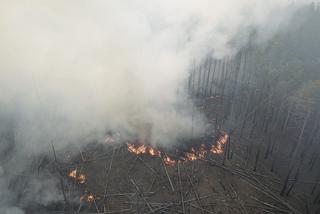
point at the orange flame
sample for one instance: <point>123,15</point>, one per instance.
<point>81,178</point>
<point>136,150</point>
<point>196,154</point>
<point>89,197</point>
<point>73,174</point>
<point>202,151</point>
<point>168,161</point>
<point>154,152</point>
<point>192,155</point>
<point>143,149</point>
<point>218,147</point>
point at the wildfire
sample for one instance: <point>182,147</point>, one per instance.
<point>202,151</point>
<point>81,178</point>
<point>73,174</point>
<point>143,149</point>
<point>169,161</point>
<point>218,147</point>
<point>194,154</point>
<point>190,156</point>
<point>89,197</point>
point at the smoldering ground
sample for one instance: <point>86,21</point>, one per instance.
<point>72,70</point>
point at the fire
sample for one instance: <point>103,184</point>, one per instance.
<point>191,156</point>
<point>218,147</point>
<point>202,151</point>
<point>194,154</point>
<point>154,152</point>
<point>167,160</point>
<point>143,149</point>
<point>81,178</point>
<point>73,174</point>
<point>89,197</point>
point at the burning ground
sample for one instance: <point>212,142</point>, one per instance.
<point>113,179</point>
<point>167,158</point>
<point>203,175</point>
<point>194,152</point>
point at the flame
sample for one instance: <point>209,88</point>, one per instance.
<point>89,197</point>
<point>81,178</point>
<point>202,151</point>
<point>73,174</point>
<point>195,154</point>
<point>154,152</point>
<point>192,155</point>
<point>143,149</point>
<point>168,161</point>
<point>218,147</point>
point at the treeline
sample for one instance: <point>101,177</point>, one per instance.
<point>271,100</point>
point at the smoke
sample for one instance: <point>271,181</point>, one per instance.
<point>71,70</point>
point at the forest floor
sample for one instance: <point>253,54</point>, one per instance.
<point>118,181</point>
<point>121,182</point>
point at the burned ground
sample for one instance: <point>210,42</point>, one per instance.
<point>123,182</point>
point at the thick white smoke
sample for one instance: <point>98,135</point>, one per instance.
<point>70,70</point>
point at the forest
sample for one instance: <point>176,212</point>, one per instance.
<point>271,102</point>
<point>113,107</point>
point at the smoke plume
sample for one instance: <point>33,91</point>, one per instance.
<point>72,70</point>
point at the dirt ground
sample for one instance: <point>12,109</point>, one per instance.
<point>122,182</point>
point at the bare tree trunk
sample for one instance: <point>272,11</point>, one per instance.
<point>257,159</point>
<point>208,79</point>
<point>212,76</point>
<point>297,145</point>
<point>284,188</point>
<point>288,116</point>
